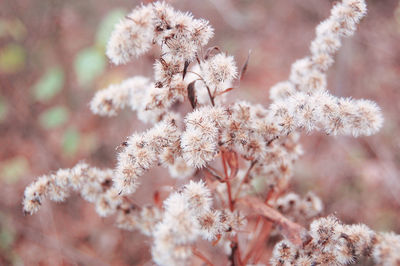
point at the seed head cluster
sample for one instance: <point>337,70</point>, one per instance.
<point>299,209</point>
<point>93,184</point>
<point>233,150</point>
<point>189,216</point>
<point>331,242</point>
<point>304,101</point>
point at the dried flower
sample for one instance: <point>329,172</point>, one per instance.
<point>386,250</point>
<point>132,36</point>
<point>219,71</point>
<point>257,146</point>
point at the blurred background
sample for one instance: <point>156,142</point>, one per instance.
<point>52,62</point>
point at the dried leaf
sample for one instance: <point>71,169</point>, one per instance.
<point>224,91</point>
<point>210,50</point>
<point>244,68</point>
<point>157,197</point>
<point>292,231</point>
<point>214,173</point>
<point>192,94</point>
<point>216,240</point>
<point>231,158</point>
<point>163,62</point>
<point>187,63</point>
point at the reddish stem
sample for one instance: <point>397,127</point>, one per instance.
<point>228,184</point>
<point>198,254</point>
<point>245,178</point>
<point>252,245</point>
<point>238,256</point>
<point>265,229</point>
<point>264,236</point>
<point>235,256</point>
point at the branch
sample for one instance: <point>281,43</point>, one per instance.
<point>245,179</point>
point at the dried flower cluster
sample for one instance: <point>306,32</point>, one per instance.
<point>93,184</point>
<point>311,107</point>
<point>299,209</point>
<point>238,150</point>
<point>188,215</point>
<point>332,243</point>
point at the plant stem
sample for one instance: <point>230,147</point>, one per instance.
<point>198,254</point>
<point>245,178</point>
<point>208,89</point>
<point>228,184</point>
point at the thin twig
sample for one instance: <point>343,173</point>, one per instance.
<point>215,173</point>
<point>209,95</point>
<point>205,84</point>
<point>233,255</point>
<point>198,254</point>
<point>259,238</point>
<point>245,178</point>
<point>238,255</point>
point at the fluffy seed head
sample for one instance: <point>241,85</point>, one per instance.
<point>198,197</point>
<point>198,148</point>
<point>132,36</point>
<point>219,71</point>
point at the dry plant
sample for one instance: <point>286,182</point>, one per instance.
<point>237,158</point>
